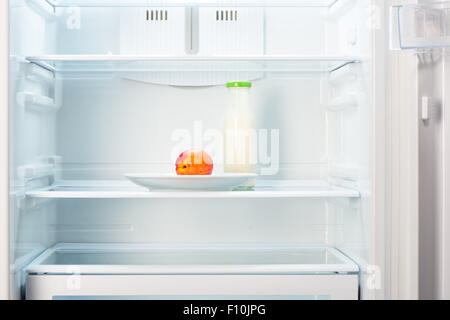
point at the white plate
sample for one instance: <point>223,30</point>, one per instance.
<point>175,182</point>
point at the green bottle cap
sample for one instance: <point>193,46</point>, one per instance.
<point>239,84</point>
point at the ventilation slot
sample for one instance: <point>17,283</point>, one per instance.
<point>156,15</point>
<point>226,15</point>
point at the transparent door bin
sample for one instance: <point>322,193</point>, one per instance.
<point>420,26</point>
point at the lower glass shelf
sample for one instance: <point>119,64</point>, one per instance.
<point>189,259</point>
<point>126,190</point>
<point>129,64</point>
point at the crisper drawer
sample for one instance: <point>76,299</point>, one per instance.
<point>192,287</point>
<point>73,271</point>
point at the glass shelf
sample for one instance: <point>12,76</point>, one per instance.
<point>120,63</point>
<point>190,259</point>
<point>200,3</point>
<point>420,26</point>
<point>127,190</point>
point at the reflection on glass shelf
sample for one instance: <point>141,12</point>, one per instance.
<point>119,63</point>
<point>192,259</point>
<point>126,190</point>
<point>181,3</point>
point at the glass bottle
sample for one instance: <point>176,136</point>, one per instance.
<point>240,137</point>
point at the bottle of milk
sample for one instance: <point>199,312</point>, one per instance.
<point>240,137</point>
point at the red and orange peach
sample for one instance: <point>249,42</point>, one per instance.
<point>194,163</point>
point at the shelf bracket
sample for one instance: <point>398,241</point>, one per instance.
<point>42,7</point>
<point>45,167</point>
<point>37,102</point>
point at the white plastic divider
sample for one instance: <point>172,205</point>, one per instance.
<point>194,287</point>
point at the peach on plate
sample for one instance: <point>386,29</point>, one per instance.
<point>194,162</point>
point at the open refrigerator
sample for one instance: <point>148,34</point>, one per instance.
<point>94,90</point>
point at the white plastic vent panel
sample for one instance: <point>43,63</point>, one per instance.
<point>171,31</point>
<point>231,31</point>
<point>155,31</point>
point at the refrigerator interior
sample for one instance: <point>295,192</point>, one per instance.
<point>102,88</point>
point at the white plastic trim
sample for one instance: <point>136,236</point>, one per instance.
<point>218,287</point>
<point>444,249</point>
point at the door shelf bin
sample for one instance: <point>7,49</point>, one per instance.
<point>424,26</point>
<point>191,271</point>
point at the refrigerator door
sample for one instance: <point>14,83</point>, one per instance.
<point>444,240</point>
<point>420,31</point>
<point>433,96</point>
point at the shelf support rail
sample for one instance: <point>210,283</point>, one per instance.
<point>42,7</point>
<point>39,102</point>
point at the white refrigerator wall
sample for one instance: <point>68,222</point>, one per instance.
<point>32,137</point>
<point>4,137</point>
<point>109,125</point>
<point>357,138</point>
